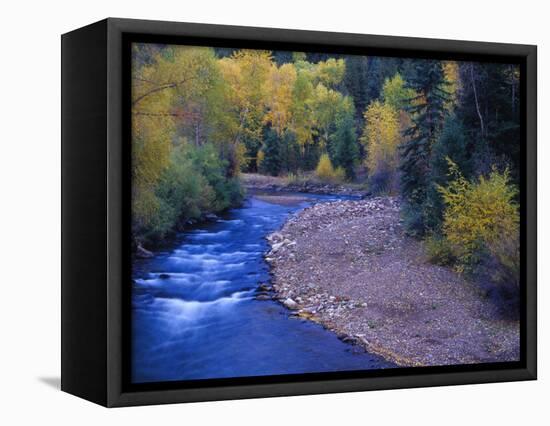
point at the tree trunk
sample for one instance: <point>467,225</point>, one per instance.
<point>482,125</point>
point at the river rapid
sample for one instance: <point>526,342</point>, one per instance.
<point>195,314</point>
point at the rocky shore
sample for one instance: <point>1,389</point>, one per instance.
<point>349,266</point>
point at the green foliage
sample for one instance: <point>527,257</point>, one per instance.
<point>482,218</point>
<point>438,250</point>
<point>271,162</point>
<point>452,144</point>
<point>327,173</point>
<point>488,105</point>
<point>427,111</point>
<point>396,94</point>
<point>192,185</point>
<point>345,151</point>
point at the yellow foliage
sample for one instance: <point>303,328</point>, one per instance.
<point>327,103</point>
<point>452,77</point>
<point>396,94</point>
<point>259,159</point>
<point>326,172</point>
<point>381,136</point>
<point>278,88</point>
<point>330,72</point>
<point>482,216</point>
<point>245,74</point>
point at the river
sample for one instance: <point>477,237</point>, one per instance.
<point>195,314</point>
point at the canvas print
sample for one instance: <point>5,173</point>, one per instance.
<point>302,212</point>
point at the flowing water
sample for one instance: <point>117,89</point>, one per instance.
<point>195,316</point>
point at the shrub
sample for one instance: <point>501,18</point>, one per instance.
<point>438,250</point>
<point>194,183</point>
<point>482,217</point>
<point>327,173</point>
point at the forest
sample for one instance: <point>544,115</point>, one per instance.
<point>443,136</point>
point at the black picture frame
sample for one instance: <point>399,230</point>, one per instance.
<point>96,210</point>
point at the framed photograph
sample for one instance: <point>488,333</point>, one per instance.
<point>253,212</point>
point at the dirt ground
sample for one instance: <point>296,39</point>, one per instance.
<point>349,266</point>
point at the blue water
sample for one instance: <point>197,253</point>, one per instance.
<point>195,316</point>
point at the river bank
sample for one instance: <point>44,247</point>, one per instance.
<point>309,185</point>
<point>349,266</point>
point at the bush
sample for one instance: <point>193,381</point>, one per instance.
<point>194,183</point>
<point>482,218</point>
<point>327,173</point>
<point>438,250</point>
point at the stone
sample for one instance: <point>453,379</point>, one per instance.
<point>290,304</point>
<point>263,296</point>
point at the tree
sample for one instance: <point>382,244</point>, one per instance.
<point>344,140</point>
<point>355,82</point>
<point>381,138</point>
<point>326,103</point>
<point>279,87</point>
<point>396,94</point>
<point>488,105</point>
<point>271,149</point>
<point>169,89</point>
<point>427,111</point>
<point>451,145</point>
<point>245,74</point>
<point>303,114</point>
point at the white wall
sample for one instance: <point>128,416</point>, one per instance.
<point>30,199</point>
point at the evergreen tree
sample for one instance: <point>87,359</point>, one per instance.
<point>453,145</point>
<point>290,152</point>
<point>345,150</point>
<point>355,82</point>
<point>428,113</point>
<point>489,109</point>
<point>271,163</point>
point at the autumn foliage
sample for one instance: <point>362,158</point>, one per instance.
<point>435,133</point>
<point>482,219</point>
<point>327,173</point>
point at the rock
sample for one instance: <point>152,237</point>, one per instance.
<point>264,287</point>
<point>143,253</point>
<point>290,304</point>
<point>275,247</point>
<point>164,276</point>
<point>275,237</point>
<point>263,296</point>
<point>211,216</point>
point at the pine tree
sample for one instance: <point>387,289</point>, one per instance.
<point>451,145</point>
<point>271,163</point>
<point>428,114</point>
<point>345,150</point>
<point>356,81</point>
